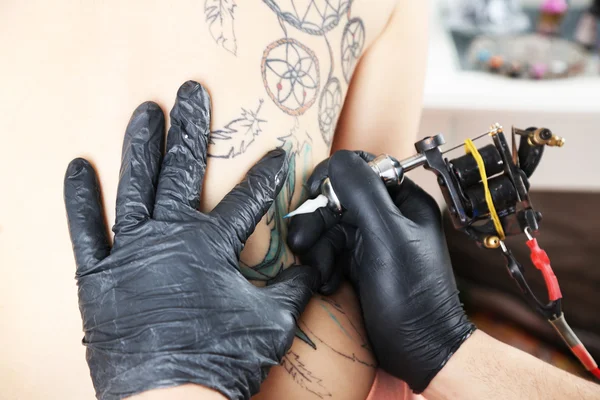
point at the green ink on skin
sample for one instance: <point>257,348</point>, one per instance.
<point>277,257</point>
<point>300,334</point>
<point>337,321</point>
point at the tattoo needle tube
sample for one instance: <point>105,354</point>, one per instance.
<point>388,168</point>
<point>310,206</point>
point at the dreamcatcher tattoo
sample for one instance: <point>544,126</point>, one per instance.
<point>315,17</point>
<point>290,70</point>
<point>353,41</point>
<point>290,73</point>
<point>330,106</point>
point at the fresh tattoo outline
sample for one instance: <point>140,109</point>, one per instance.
<point>353,42</point>
<point>339,309</point>
<point>332,308</point>
<point>238,134</point>
<point>294,71</point>
<point>330,107</point>
<point>317,17</point>
<point>289,62</point>
<point>308,20</point>
<point>219,16</point>
<point>298,147</point>
<point>294,366</point>
<point>291,75</point>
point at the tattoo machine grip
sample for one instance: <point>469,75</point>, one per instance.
<point>390,170</point>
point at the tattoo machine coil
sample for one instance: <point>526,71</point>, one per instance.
<point>487,194</point>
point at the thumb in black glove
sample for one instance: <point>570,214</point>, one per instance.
<point>166,304</point>
<point>393,250</point>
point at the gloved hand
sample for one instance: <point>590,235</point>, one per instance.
<point>393,250</point>
<point>166,305</point>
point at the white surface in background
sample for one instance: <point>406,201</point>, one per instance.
<point>447,87</point>
<point>463,104</point>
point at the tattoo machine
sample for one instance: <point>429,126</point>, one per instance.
<point>487,194</point>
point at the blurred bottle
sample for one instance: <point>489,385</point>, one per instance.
<point>551,16</point>
<point>496,17</point>
<point>586,32</point>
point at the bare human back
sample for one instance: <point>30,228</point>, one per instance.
<point>307,77</point>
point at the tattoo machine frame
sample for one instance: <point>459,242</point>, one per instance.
<point>487,194</point>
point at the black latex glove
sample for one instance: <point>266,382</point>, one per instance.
<point>393,250</point>
<point>166,305</point>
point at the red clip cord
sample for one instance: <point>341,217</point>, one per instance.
<point>542,262</point>
<point>586,359</point>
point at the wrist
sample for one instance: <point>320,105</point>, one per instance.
<point>448,382</point>
<point>442,341</point>
<point>448,346</point>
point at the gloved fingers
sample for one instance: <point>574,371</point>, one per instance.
<point>184,164</point>
<point>360,190</point>
<point>348,261</point>
<point>244,206</point>
<point>85,215</point>
<point>313,183</point>
<point>305,229</point>
<point>321,171</point>
<point>414,203</point>
<point>333,283</point>
<point>140,165</point>
<point>324,255</point>
<point>294,287</point>
<point>368,157</point>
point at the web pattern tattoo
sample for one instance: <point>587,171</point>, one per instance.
<point>353,41</point>
<point>290,70</point>
<point>239,133</point>
<point>302,376</point>
<point>219,17</point>
<point>298,147</point>
<point>315,17</point>
<point>291,75</point>
<point>330,106</point>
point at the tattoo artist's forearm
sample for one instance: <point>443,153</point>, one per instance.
<point>484,368</point>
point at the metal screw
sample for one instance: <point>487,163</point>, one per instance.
<point>491,242</point>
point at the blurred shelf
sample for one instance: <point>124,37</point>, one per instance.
<point>448,87</point>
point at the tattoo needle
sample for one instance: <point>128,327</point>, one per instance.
<point>309,206</point>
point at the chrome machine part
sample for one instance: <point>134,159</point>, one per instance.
<point>412,162</point>
<point>333,201</point>
<point>388,169</point>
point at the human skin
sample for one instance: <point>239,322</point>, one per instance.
<point>484,368</point>
<point>71,76</point>
<point>183,392</point>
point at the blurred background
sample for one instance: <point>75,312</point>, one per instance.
<point>525,64</point>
